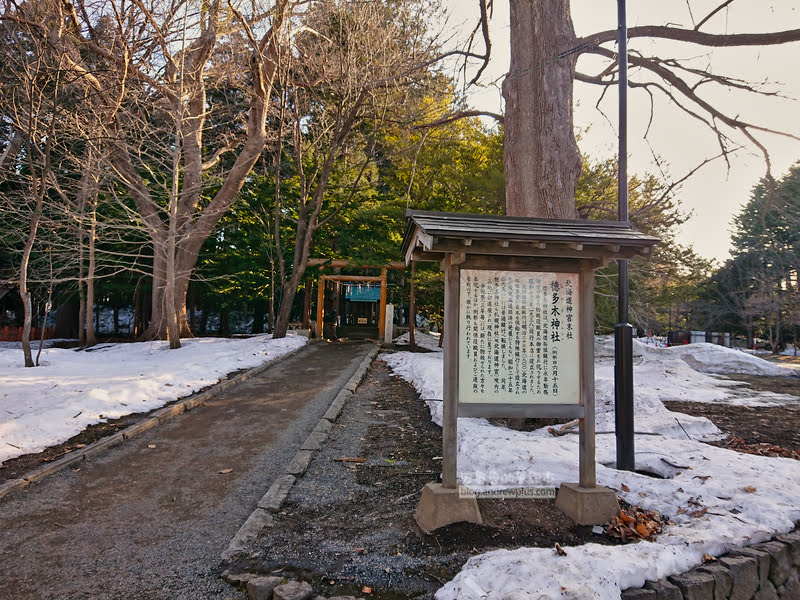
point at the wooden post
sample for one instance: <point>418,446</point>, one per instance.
<point>586,442</point>
<point>452,290</point>
<point>412,312</point>
<point>382,312</point>
<point>307,305</point>
<point>320,304</point>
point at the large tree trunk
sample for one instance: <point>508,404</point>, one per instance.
<point>542,161</point>
<point>271,317</point>
<point>285,307</point>
<point>81,313</point>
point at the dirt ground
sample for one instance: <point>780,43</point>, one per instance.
<point>20,466</point>
<point>777,426</point>
<point>754,428</point>
<point>149,519</point>
<point>348,524</point>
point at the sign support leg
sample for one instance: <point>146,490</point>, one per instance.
<point>450,412</point>
<point>441,503</point>
<point>320,305</point>
<point>585,502</point>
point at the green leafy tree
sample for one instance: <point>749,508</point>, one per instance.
<point>762,277</point>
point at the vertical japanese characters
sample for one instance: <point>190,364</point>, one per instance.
<point>519,341</point>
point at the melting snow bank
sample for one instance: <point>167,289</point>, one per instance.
<point>47,405</point>
<point>423,340</point>
<point>719,499</point>
<point>689,373</point>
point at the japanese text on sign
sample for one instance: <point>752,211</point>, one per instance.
<point>518,337</point>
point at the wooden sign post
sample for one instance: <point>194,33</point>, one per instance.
<point>519,336</point>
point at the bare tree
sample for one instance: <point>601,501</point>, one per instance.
<point>147,68</point>
<point>175,172</point>
<point>542,161</point>
<point>29,106</point>
<point>357,61</point>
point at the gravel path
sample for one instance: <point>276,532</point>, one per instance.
<point>149,519</point>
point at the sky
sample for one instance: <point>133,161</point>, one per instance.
<point>715,194</point>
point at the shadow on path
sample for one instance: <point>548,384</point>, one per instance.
<point>149,519</point>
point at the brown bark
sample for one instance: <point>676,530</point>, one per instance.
<point>542,161</point>
<point>11,151</point>
<point>306,324</point>
<point>271,315</point>
<point>24,293</point>
<point>693,36</point>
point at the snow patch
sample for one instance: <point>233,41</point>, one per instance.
<point>719,499</point>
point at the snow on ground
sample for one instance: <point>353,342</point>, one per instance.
<point>718,499</point>
<point>428,341</point>
<point>47,405</point>
<point>691,372</point>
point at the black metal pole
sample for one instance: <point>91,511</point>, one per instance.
<point>623,332</point>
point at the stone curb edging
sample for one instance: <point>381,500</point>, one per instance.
<point>156,418</point>
<point>270,503</point>
<point>767,571</point>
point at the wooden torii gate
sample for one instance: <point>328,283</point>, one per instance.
<point>339,263</point>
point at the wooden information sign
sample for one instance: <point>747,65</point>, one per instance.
<point>518,335</point>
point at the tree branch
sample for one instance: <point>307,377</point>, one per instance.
<point>464,114</point>
<point>711,14</point>
<point>692,36</point>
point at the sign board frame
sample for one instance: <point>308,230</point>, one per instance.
<point>487,242</point>
<point>584,410</point>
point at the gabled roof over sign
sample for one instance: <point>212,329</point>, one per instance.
<point>431,235</point>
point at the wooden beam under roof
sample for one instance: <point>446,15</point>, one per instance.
<point>431,235</point>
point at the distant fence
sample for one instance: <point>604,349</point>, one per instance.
<point>14,334</point>
<point>677,338</point>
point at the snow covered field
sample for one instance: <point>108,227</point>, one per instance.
<point>719,499</point>
<point>46,405</point>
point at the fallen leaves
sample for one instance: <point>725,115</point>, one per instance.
<point>634,523</point>
<point>225,471</point>
<point>707,558</point>
<point>750,489</point>
<point>761,449</point>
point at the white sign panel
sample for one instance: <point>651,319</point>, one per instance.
<point>518,338</point>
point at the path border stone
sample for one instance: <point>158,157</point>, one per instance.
<point>767,570</point>
<point>270,503</point>
<point>155,419</point>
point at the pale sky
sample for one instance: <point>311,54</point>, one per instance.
<point>713,195</point>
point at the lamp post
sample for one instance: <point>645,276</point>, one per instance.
<point>623,332</point>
